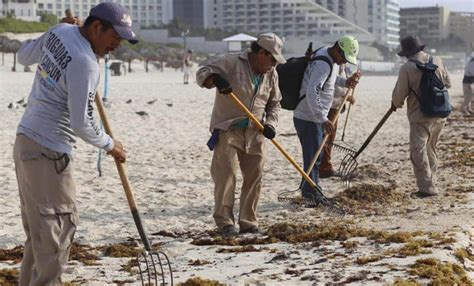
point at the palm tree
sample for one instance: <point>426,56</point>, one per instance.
<point>126,54</point>
<point>3,42</point>
<point>148,54</point>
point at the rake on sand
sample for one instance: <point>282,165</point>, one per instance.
<point>329,205</point>
<point>349,162</point>
<point>154,266</point>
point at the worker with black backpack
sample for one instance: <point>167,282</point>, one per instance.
<point>422,81</point>
<point>315,99</point>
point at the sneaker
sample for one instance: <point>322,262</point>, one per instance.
<point>253,229</point>
<point>228,230</point>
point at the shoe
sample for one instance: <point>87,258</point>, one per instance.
<point>422,195</point>
<point>327,174</point>
<point>253,229</point>
<point>228,230</point>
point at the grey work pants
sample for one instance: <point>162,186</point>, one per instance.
<point>423,139</point>
<point>48,211</point>
<point>244,147</point>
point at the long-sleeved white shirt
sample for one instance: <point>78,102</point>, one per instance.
<point>315,106</point>
<point>60,104</point>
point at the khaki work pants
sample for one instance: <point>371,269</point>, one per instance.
<point>468,96</point>
<point>48,211</point>
<point>243,147</point>
<point>423,139</point>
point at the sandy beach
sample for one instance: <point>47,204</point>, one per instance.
<point>386,237</point>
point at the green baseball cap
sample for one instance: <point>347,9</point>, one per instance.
<point>350,47</point>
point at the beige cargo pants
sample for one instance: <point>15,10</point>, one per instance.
<point>423,139</point>
<point>468,92</point>
<point>48,211</point>
<point>242,147</point>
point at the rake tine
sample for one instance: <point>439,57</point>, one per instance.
<point>147,264</point>
<point>348,165</point>
<point>343,149</point>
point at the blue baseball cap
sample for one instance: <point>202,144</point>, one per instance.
<point>118,16</point>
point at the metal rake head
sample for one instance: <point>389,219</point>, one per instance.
<point>343,149</point>
<point>155,268</point>
<point>347,168</point>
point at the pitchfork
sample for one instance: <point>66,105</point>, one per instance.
<point>153,265</point>
<point>330,205</point>
<point>349,163</point>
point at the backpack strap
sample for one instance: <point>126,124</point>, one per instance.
<point>319,58</point>
<point>326,60</point>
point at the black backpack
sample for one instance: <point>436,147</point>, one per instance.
<point>433,95</point>
<point>290,77</point>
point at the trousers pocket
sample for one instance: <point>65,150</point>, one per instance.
<point>57,227</point>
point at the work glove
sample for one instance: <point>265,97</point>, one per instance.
<point>222,84</point>
<point>268,131</point>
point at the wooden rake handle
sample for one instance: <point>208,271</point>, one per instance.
<point>123,176</point>
<point>326,136</point>
<point>277,145</point>
<point>345,122</point>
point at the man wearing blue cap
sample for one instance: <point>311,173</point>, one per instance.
<point>60,107</point>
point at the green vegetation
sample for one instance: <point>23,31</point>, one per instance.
<point>176,27</point>
<point>20,26</point>
<point>12,25</point>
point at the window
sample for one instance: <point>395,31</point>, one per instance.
<point>50,6</point>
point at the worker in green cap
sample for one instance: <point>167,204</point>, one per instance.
<point>316,97</point>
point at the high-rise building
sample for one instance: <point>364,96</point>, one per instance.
<point>430,24</point>
<point>461,24</point>
<point>144,13</point>
<point>20,9</point>
<point>196,13</point>
<point>287,18</point>
<point>379,17</point>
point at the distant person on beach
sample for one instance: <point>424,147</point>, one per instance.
<point>468,87</point>
<point>187,65</point>
<point>71,19</point>
<point>424,131</point>
<point>326,169</point>
<point>236,141</point>
<point>317,94</point>
<point>60,107</point>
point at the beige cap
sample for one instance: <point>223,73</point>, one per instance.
<point>273,44</point>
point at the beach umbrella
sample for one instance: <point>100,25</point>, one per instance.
<point>13,46</point>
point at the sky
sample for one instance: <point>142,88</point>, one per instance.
<point>453,5</point>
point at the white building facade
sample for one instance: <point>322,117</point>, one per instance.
<point>379,17</point>
<point>24,10</point>
<point>287,18</point>
<point>145,13</point>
